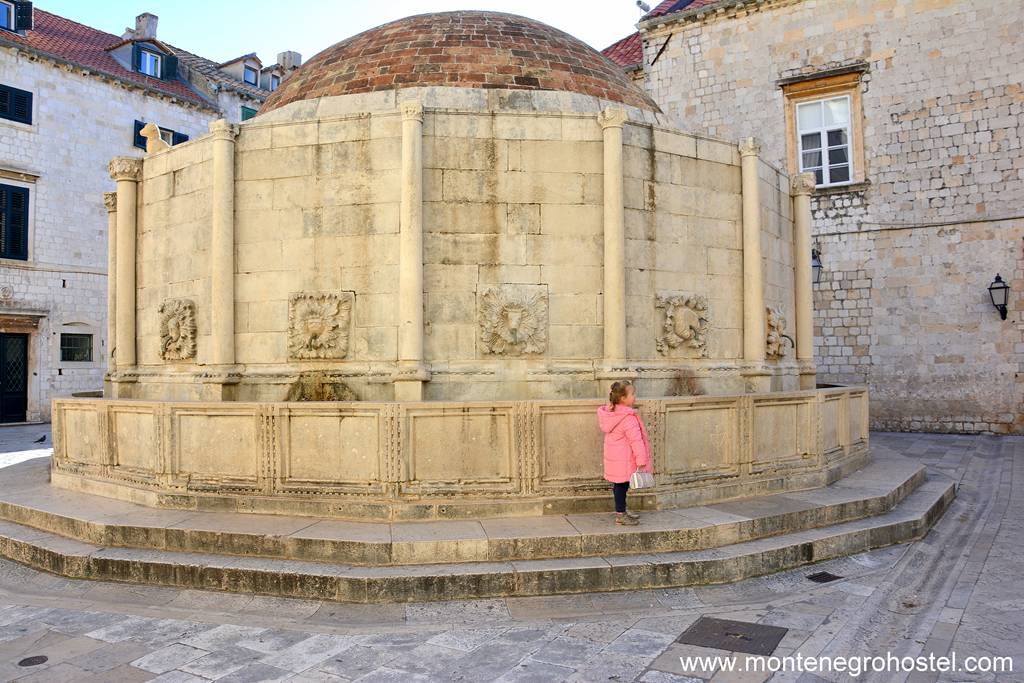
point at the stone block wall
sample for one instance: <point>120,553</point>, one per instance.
<point>943,100</point>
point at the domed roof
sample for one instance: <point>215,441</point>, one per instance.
<point>460,49</point>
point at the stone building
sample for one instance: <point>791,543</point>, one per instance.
<point>71,97</point>
<point>918,106</point>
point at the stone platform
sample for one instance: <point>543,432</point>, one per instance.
<point>79,535</point>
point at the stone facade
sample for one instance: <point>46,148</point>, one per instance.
<point>909,249</point>
<point>83,114</point>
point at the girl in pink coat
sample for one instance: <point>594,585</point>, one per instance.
<point>626,448</point>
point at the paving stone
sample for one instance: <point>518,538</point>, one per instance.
<point>257,672</point>
<point>386,675</point>
<point>179,677</point>
<point>109,656</point>
<point>611,667</point>
<point>566,651</point>
<point>456,611</point>
<point>272,641</point>
<point>466,639</point>
<point>221,636</point>
<point>58,673</point>
<point>357,661</point>
<point>168,658</point>
<point>532,671</point>
<point>599,631</point>
<point>221,662</point>
<point>640,643</point>
<point>665,677</point>
<point>308,653</point>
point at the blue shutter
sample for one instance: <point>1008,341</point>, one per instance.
<point>139,141</point>
<point>170,67</point>
<point>15,104</point>
<point>178,138</point>
<point>13,222</point>
<point>22,16</point>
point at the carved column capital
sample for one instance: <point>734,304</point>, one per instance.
<point>412,110</point>
<point>126,168</point>
<point>750,147</point>
<point>222,130</point>
<point>110,201</point>
<point>802,183</point>
<point>612,117</point>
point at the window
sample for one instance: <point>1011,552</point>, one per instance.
<point>823,135</point>
<point>171,137</point>
<point>16,15</point>
<point>252,77</point>
<point>75,348</point>
<point>274,82</point>
<point>150,63</point>
<point>14,222</point>
<point>15,105</point>
<point>7,16</point>
<point>248,113</point>
<point>823,123</point>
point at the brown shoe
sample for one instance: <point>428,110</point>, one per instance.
<point>625,519</point>
<point>632,515</point>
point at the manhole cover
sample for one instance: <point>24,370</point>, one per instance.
<point>734,636</point>
<point>33,661</point>
<point>823,577</point>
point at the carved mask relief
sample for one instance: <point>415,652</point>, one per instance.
<point>513,319</point>
<point>776,324</point>
<point>318,324</point>
<point>685,325</point>
<point>178,329</point>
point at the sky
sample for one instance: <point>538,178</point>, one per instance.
<point>224,29</point>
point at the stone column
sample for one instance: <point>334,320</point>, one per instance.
<point>801,188</point>
<point>411,370</point>
<point>611,121</point>
<point>127,171</point>
<point>754,331</point>
<point>110,201</point>
<point>222,245</point>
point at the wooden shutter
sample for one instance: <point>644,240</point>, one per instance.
<point>22,16</point>
<point>15,104</point>
<point>169,68</point>
<point>13,222</point>
<point>136,57</point>
<point>177,138</point>
<point>139,141</point>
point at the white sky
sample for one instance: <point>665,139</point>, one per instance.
<point>224,29</point>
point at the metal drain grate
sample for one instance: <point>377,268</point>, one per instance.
<point>34,661</point>
<point>733,636</point>
<point>823,577</point>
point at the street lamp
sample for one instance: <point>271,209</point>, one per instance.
<point>816,265</point>
<point>1000,292</point>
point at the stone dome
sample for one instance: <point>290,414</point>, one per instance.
<point>460,49</point>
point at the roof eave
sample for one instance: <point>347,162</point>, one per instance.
<point>683,15</point>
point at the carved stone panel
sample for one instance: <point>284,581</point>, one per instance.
<point>513,319</point>
<point>319,324</point>
<point>685,325</point>
<point>775,346</point>
<point>178,329</point>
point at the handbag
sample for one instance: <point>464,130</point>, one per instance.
<point>641,480</point>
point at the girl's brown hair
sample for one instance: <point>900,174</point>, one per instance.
<point>618,392</point>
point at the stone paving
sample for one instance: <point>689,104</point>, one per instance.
<point>960,590</point>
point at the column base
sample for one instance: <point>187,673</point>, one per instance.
<point>756,380</point>
<point>409,379</point>
<point>808,380</point>
<point>218,384</point>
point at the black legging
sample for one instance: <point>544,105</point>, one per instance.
<point>619,490</point>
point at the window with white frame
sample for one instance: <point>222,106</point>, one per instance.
<point>823,136</point>
<point>149,63</point>
<point>7,16</point>
<point>274,82</point>
<point>252,77</point>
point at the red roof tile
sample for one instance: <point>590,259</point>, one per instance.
<point>629,51</point>
<point>463,49</point>
<point>85,46</point>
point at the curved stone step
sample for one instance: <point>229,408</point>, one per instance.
<point>909,520</point>
<point>27,499</point>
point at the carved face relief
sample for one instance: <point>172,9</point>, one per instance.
<point>318,325</point>
<point>178,329</point>
<point>686,324</point>
<point>513,320</point>
<point>776,324</point>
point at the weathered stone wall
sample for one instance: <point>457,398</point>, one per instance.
<point>942,103</point>
<point>512,213</point>
<point>79,123</point>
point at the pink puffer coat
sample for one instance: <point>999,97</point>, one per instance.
<point>626,448</point>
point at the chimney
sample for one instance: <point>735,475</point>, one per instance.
<point>289,60</point>
<point>145,26</point>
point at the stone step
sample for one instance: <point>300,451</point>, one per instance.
<point>910,519</point>
<point>27,499</point>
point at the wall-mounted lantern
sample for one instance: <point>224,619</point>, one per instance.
<point>1000,293</point>
<point>816,265</point>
